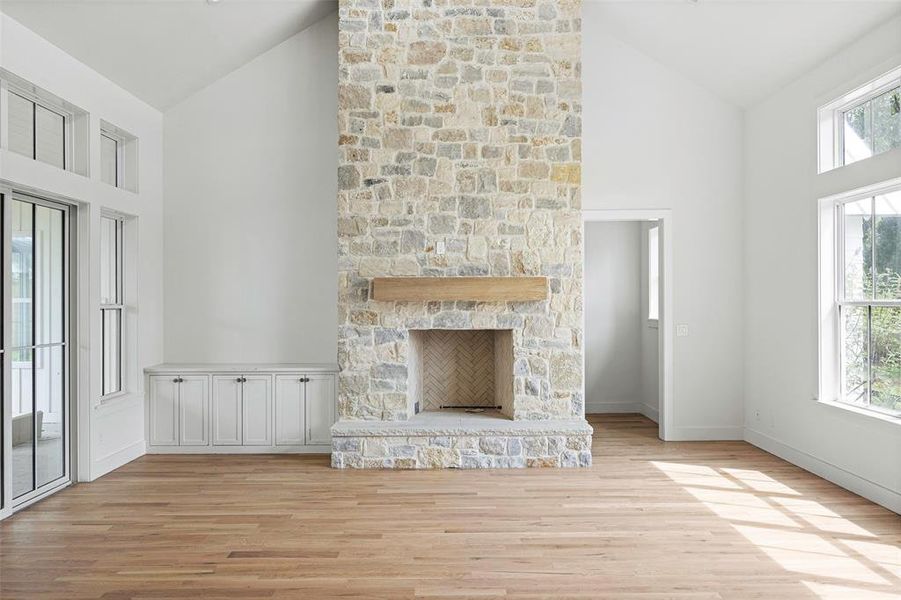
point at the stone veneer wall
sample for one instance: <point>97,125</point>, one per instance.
<point>459,122</point>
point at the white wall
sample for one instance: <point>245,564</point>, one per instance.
<point>613,367</point>
<point>780,232</point>
<point>250,226</point>
<point>113,432</point>
<point>652,139</point>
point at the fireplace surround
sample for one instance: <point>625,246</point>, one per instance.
<point>459,157</point>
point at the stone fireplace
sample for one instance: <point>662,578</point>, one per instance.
<point>460,151</point>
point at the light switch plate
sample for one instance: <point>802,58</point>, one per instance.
<point>681,330</point>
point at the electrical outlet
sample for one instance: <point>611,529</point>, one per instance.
<point>681,330</point>
<point>440,248</point>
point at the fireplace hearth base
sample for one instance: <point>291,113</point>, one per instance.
<point>457,439</point>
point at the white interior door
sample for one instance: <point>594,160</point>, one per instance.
<point>320,408</point>
<point>193,402</point>
<point>257,410</point>
<point>227,410</point>
<point>289,410</point>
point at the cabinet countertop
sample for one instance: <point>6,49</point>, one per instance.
<point>242,368</point>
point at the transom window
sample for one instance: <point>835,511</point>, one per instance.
<point>868,297</point>
<point>36,131</point>
<point>871,127</point>
<point>862,123</point>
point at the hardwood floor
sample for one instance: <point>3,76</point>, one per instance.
<point>649,520</point>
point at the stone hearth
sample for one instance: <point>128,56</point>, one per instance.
<point>460,156</point>
<point>455,439</point>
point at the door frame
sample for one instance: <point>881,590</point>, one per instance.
<point>71,432</point>
<point>665,328</point>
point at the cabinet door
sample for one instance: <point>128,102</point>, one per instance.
<point>289,413</point>
<point>194,410</point>
<point>320,408</point>
<point>163,410</point>
<point>226,410</point>
<point>258,410</point>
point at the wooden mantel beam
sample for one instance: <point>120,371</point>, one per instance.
<point>475,289</point>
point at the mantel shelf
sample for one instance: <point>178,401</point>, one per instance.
<point>475,289</point>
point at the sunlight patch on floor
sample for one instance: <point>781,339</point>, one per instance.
<point>829,591</point>
<point>800,535</point>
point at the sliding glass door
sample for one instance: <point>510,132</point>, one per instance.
<point>35,349</point>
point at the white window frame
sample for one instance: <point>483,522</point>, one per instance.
<point>117,139</point>
<point>119,307</point>
<point>831,297</point>
<point>7,88</point>
<point>654,275</point>
<point>126,156</point>
<point>830,117</point>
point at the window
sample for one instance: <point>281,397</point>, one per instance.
<point>871,127</point>
<point>118,157</point>
<point>654,273</point>
<point>862,123</point>
<point>36,131</point>
<point>43,126</point>
<point>111,302</point>
<point>868,300</point>
<point>109,160</point>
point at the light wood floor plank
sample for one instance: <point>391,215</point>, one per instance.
<point>698,521</point>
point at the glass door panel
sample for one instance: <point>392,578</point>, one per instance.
<point>37,349</point>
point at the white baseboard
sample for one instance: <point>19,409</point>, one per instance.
<point>650,412</point>
<point>705,434</point>
<point>863,487</point>
<point>614,408</point>
<point>602,408</point>
<point>116,459</point>
<point>317,449</point>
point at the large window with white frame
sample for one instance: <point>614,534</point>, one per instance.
<point>112,302</point>
<point>867,288</point>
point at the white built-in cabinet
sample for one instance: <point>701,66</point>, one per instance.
<point>179,410</point>
<point>240,411</point>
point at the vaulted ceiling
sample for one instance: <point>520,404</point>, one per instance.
<point>742,50</point>
<point>163,51</point>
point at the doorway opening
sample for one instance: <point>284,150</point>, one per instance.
<point>627,307</point>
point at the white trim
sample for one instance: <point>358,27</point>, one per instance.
<point>118,458</point>
<point>607,408</point>
<point>650,412</point>
<point>317,449</point>
<point>890,420</point>
<point>870,490</point>
<point>701,433</point>
<point>665,335</point>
